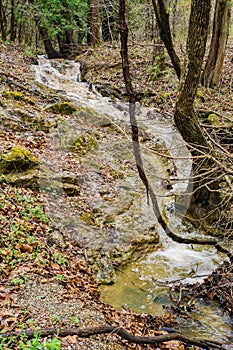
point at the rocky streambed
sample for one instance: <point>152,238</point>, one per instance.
<point>77,150</point>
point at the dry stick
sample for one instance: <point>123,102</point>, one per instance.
<point>87,332</point>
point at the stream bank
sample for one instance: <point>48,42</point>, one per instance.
<point>58,150</point>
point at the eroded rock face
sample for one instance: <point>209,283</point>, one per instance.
<point>98,199</point>
<point>87,173</point>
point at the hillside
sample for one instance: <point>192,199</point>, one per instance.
<point>46,276</point>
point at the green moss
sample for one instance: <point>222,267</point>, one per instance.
<point>15,95</point>
<point>200,95</point>
<point>62,108</point>
<point>18,159</point>
<point>83,144</point>
<point>213,119</point>
<point>86,112</point>
<point>90,218</point>
<point>166,95</point>
<point>161,98</point>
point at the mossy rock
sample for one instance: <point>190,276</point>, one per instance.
<point>213,119</point>
<point>85,112</point>
<point>17,160</point>
<point>35,121</point>
<point>83,144</point>
<point>62,108</point>
<point>88,114</point>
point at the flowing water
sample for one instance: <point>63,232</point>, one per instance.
<point>144,285</point>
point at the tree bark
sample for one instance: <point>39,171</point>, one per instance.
<point>185,117</point>
<point>49,49</point>
<point>206,205</point>
<point>214,65</point>
<point>162,18</point>
<point>3,24</point>
<point>12,22</point>
<point>95,30</point>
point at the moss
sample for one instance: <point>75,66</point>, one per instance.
<point>62,108</point>
<point>18,159</point>
<point>213,119</point>
<point>161,98</point>
<point>86,112</point>
<point>200,95</point>
<point>166,95</point>
<point>83,144</point>
<point>15,95</point>
<point>90,218</point>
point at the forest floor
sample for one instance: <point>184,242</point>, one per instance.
<point>44,284</point>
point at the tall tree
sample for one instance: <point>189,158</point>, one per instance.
<point>3,21</point>
<point>214,65</point>
<point>185,117</point>
<point>162,17</point>
<point>95,23</point>
<point>109,20</point>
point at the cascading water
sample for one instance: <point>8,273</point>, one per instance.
<point>173,260</point>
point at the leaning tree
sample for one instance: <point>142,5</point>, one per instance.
<point>210,205</point>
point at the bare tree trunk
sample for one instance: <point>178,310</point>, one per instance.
<point>12,22</point>
<point>50,51</point>
<point>213,68</point>
<point>206,197</point>
<point>162,18</point>
<point>185,117</point>
<point>174,4</point>
<point>3,24</point>
<point>95,30</point>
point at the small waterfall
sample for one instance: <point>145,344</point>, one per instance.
<point>173,260</point>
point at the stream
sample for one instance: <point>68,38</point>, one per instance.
<point>143,285</point>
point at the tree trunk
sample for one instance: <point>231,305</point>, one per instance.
<point>162,18</point>
<point>67,44</point>
<point>12,22</point>
<point>205,201</point>
<point>3,24</point>
<point>185,117</point>
<point>213,68</point>
<point>49,49</point>
<point>95,31</point>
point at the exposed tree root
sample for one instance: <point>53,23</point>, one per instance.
<point>121,332</point>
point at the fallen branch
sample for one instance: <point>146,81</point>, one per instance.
<point>121,332</point>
